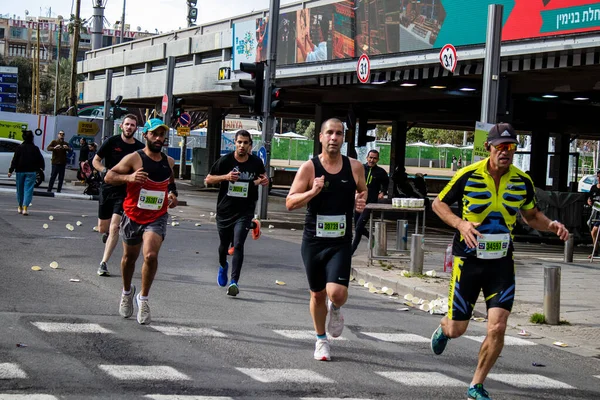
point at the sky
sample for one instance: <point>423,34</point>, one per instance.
<point>164,15</point>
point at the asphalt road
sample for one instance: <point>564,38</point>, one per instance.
<point>205,345</point>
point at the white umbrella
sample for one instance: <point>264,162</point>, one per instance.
<point>446,146</point>
<point>419,145</point>
<point>291,135</point>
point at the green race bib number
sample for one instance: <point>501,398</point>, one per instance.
<point>331,225</point>
<point>493,246</point>
<point>151,199</point>
<point>238,189</point>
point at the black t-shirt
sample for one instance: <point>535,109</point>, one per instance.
<point>594,193</point>
<point>112,151</point>
<point>377,181</point>
<point>239,198</point>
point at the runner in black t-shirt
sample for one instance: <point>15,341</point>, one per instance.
<point>110,203</point>
<point>239,173</point>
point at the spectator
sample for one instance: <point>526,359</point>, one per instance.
<point>27,161</point>
<point>59,149</point>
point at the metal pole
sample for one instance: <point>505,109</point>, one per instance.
<point>123,23</point>
<point>107,128</point>
<point>401,235</point>
<point>380,237</point>
<point>97,24</point>
<point>60,28</point>
<point>491,68</point>
<point>268,120</point>
<point>416,254</point>
<point>569,244</point>
<point>33,82</point>
<point>74,51</point>
<point>37,75</point>
<point>182,158</point>
<point>169,93</point>
<point>552,295</point>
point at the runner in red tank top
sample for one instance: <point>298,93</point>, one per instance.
<point>151,189</point>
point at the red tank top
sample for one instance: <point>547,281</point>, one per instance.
<point>146,202</point>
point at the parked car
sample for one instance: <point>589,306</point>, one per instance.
<point>586,183</point>
<point>7,151</point>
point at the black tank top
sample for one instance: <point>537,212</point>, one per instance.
<point>335,199</point>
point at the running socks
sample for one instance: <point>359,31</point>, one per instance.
<point>322,337</point>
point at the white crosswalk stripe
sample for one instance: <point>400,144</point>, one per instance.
<point>7,396</point>
<point>184,397</point>
<point>329,398</point>
<point>508,340</point>
<point>421,378</point>
<point>302,335</point>
<point>11,371</point>
<point>398,337</point>
<point>268,375</point>
<point>187,331</point>
<point>529,381</point>
<point>144,372</point>
<point>54,327</point>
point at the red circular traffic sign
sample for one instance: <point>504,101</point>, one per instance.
<point>363,69</point>
<point>448,57</point>
<point>165,104</point>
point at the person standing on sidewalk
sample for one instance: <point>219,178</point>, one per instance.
<point>377,181</point>
<point>84,151</point>
<point>59,149</point>
<point>110,202</point>
<point>27,161</point>
<point>239,174</point>
<point>491,192</point>
<point>151,190</point>
<point>332,186</point>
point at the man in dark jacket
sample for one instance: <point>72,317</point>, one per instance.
<point>84,151</point>
<point>27,161</point>
<point>59,149</point>
<point>377,185</point>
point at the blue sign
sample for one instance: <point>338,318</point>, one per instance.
<point>10,98</point>
<point>185,119</point>
<point>9,78</point>
<point>8,107</point>
<point>8,88</point>
<point>262,154</point>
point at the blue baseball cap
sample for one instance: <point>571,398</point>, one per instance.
<point>153,124</point>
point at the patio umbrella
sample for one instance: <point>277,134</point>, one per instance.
<point>446,146</point>
<point>290,136</point>
<point>420,145</point>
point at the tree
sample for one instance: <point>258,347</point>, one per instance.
<point>306,127</point>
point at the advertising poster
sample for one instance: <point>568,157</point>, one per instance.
<point>286,40</point>
<point>244,43</point>
<point>302,34</point>
<point>262,39</point>
<point>343,30</point>
<point>481,134</point>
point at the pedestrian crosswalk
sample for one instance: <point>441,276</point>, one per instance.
<point>143,373</point>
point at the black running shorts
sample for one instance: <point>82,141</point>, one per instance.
<point>325,262</point>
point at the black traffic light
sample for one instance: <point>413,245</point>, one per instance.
<point>178,104</point>
<point>363,138</point>
<point>115,108</point>
<point>254,99</point>
<point>192,14</point>
<point>276,101</point>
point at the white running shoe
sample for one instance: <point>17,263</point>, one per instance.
<point>126,306</point>
<point>322,352</point>
<point>335,326</point>
<point>143,315</point>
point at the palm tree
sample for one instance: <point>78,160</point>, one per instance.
<point>64,81</point>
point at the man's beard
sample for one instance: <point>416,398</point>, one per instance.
<point>128,134</point>
<point>154,147</point>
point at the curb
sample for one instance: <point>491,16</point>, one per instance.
<point>54,194</point>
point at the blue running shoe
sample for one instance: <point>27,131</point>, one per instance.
<point>477,392</point>
<point>439,341</point>
<point>233,289</point>
<point>222,277</point>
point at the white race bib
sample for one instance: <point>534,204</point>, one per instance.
<point>331,225</point>
<point>493,246</point>
<point>238,189</point>
<point>151,199</point>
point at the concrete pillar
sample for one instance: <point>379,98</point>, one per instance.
<point>539,158</point>
<point>560,166</point>
<point>213,135</point>
<point>397,149</point>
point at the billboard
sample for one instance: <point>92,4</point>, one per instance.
<point>9,79</point>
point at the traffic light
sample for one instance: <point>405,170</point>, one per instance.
<point>178,104</point>
<point>363,138</point>
<point>276,101</point>
<point>115,108</point>
<point>254,99</point>
<point>192,14</point>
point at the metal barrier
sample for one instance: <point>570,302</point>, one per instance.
<point>380,239</point>
<point>417,254</point>
<point>552,294</point>
<point>569,248</point>
<point>401,235</point>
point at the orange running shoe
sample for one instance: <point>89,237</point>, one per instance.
<point>230,251</point>
<point>256,229</point>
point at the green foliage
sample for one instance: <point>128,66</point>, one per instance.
<point>437,136</point>
<point>306,127</point>
<point>537,318</point>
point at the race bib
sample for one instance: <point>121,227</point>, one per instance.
<point>238,189</point>
<point>151,199</point>
<point>493,246</point>
<point>331,225</point>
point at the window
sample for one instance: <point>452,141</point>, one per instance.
<point>8,147</point>
<point>1,33</point>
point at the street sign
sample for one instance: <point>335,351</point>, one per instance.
<point>165,104</point>
<point>183,131</point>
<point>448,57</point>
<point>185,119</point>
<point>363,69</point>
<point>262,154</point>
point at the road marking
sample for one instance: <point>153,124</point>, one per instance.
<point>267,375</point>
<point>529,381</point>
<point>143,372</point>
<point>70,327</point>
<point>421,378</point>
<point>27,397</point>
<point>398,337</point>
<point>329,398</point>
<point>302,335</point>
<point>184,397</point>
<point>11,371</point>
<point>187,331</point>
<point>508,340</point>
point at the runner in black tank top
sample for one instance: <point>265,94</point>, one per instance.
<point>328,185</point>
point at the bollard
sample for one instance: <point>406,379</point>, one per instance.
<point>416,254</point>
<point>552,295</point>
<point>401,235</point>
<point>380,239</point>
<point>569,249</point>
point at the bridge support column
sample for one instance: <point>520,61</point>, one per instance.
<point>213,135</point>
<point>560,166</point>
<point>397,150</point>
<point>539,158</point>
